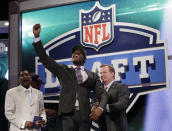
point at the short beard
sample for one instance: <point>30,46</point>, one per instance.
<point>79,63</point>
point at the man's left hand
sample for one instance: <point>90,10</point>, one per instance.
<point>40,123</point>
<point>50,112</point>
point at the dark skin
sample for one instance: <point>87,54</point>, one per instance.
<point>78,59</point>
<point>24,80</point>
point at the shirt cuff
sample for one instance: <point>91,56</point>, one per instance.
<point>101,108</point>
<point>23,124</point>
<point>36,39</point>
<point>107,108</point>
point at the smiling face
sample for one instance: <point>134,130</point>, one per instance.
<point>78,58</point>
<point>25,79</point>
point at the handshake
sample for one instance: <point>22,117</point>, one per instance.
<point>96,111</point>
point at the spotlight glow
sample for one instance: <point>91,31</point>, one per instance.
<point>159,105</point>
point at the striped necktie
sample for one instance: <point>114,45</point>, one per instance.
<point>78,75</point>
<point>28,96</point>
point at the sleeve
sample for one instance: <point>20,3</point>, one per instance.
<point>47,61</point>
<point>23,125</point>
<point>10,110</point>
<point>100,93</point>
<point>123,99</point>
<point>42,109</point>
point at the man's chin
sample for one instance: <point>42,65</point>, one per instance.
<point>77,63</point>
<point>26,84</point>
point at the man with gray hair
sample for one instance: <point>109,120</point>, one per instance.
<point>114,118</point>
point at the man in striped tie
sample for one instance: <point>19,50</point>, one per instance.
<point>22,104</point>
<point>77,83</point>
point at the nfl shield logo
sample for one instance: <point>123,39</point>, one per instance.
<point>96,26</point>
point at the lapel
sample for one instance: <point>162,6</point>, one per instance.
<point>113,86</point>
<point>88,79</point>
<point>21,94</point>
<point>34,93</point>
<point>72,74</point>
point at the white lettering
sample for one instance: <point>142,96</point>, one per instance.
<point>116,64</point>
<point>142,60</point>
<point>49,80</point>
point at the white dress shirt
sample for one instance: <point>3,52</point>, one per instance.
<point>24,90</point>
<point>84,78</point>
<point>83,73</point>
<point>36,39</point>
<point>107,87</point>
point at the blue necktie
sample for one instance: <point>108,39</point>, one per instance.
<point>28,96</point>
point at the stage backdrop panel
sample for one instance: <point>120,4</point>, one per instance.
<point>125,34</point>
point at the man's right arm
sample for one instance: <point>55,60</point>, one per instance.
<point>47,61</point>
<point>101,99</point>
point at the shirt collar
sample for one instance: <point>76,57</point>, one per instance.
<point>108,85</point>
<point>30,89</point>
<point>82,67</point>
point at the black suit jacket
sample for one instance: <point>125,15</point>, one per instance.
<point>68,81</point>
<point>3,90</point>
<point>118,99</point>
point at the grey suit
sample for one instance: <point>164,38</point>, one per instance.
<point>116,119</point>
<point>68,81</point>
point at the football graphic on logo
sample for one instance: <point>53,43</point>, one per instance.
<point>96,16</point>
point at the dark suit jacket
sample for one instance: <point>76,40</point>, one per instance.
<point>3,90</point>
<point>68,81</point>
<point>118,98</point>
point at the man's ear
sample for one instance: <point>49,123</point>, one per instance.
<point>113,74</point>
<point>84,59</point>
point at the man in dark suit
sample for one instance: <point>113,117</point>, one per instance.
<point>3,90</point>
<point>76,82</point>
<point>114,118</point>
<point>50,112</point>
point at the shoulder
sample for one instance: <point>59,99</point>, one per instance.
<point>91,73</point>
<point>121,87</point>
<point>119,84</point>
<point>36,91</point>
<point>38,43</point>
<point>13,90</point>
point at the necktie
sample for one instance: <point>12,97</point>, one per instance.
<point>106,88</point>
<point>28,96</point>
<point>78,75</point>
